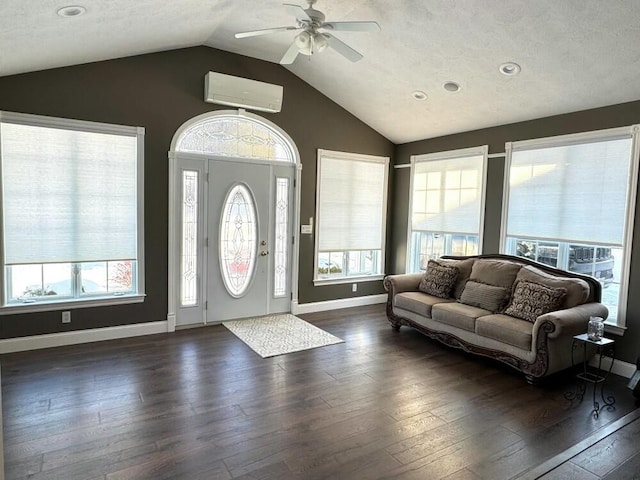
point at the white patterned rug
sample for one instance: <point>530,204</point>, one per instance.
<point>279,334</point>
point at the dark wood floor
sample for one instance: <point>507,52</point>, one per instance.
<point>199,404</point>
<point>614,457</point>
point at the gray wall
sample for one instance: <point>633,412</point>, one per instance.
<point>160,92</point>
<point>596,119</point>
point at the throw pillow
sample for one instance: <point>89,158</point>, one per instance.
<point>487,297</point>
<point>530,300</point>
<point>438,280</point>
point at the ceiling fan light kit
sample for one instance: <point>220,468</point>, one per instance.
<point>312,40</point>
<point>310,43</point>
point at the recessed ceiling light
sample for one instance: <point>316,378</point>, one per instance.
<point>451,87</point>
<point>510,69</point>
<point>71,11</point>
<point>419,95</point>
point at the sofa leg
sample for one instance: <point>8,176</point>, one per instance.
<point>395,326</point>
<point>531,380</point>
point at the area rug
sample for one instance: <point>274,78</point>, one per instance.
<point>279,334</point>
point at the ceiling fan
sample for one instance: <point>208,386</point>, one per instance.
<point>314,36</point>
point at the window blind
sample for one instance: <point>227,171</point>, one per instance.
<point>447,195</point>
<point>575,192</point>
<point>351,202</point>
<point>68,195</point>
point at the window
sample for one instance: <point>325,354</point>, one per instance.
<point>189,238</point>
<point>569,203</point>
<point>71,211</point>
<point>231,135</point>
<point>351,209</point>
<point>447,205</point>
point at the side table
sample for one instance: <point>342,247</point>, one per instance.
<point>605,347</point>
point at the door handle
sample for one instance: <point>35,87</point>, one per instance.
<point>264,253</point>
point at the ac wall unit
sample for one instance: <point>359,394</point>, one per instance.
<point>242,92</point>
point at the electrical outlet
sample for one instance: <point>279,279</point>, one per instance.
<point>66,317</point>
<point>354,287</point>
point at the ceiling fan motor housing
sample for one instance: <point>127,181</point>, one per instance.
<point>316,16</point>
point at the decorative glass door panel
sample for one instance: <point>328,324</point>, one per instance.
<point>189,240</point>
<point>238,240</point>
<point>282,235</point>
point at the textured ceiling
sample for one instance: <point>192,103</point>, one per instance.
<point>575,54</point>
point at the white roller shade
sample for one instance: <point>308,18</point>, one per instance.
<point>576,192</point>
<point>68,195</point>
<point>351,202</point>
<point>447,194</point>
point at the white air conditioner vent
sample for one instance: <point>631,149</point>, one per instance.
<point>242,92</point>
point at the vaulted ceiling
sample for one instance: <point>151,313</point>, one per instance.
<point>574,54</point>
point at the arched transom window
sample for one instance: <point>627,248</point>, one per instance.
<point>235,136</point>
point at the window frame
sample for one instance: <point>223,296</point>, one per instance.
<point>618,325</point>
<point>6,307</point>
<point>482,150</point>
<point>317,281</point>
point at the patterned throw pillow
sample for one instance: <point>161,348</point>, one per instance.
<point>530,300</point>
<point>487,297</point>
<point>439,279</point>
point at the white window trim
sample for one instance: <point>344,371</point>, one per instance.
<point>361,278</point>
<point>95,127</point>
<point>353,279</point>
<point>619,326</point>
<point>446,155</point>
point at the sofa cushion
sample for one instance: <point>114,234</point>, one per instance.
<point>530,300</point>
<point>577,289</point>
<point>487,297</point>
<point>501,273</point>
<point>506,329</point>
<point>457,315</point>
<point>439,279</point>
<point>464,272</point>
<point>418,302</point>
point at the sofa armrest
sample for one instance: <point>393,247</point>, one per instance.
<point>405,282</point>
<point>572,321</point>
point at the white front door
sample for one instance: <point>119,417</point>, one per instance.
<point>249,238</point>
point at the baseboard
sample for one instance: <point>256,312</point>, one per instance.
<point>297,308</point>
<point>621,368</point>
<point>36,342</point>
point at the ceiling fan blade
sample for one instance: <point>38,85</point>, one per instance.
<point>342,48</point>
<point>266,31</point>
<point>298,11</point>
<point>290,55</point>
<point>352,26</point>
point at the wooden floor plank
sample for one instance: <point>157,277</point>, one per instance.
<point>629,470</point>
<point>569,471</point>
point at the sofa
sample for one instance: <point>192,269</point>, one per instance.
<point>508,308</point>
